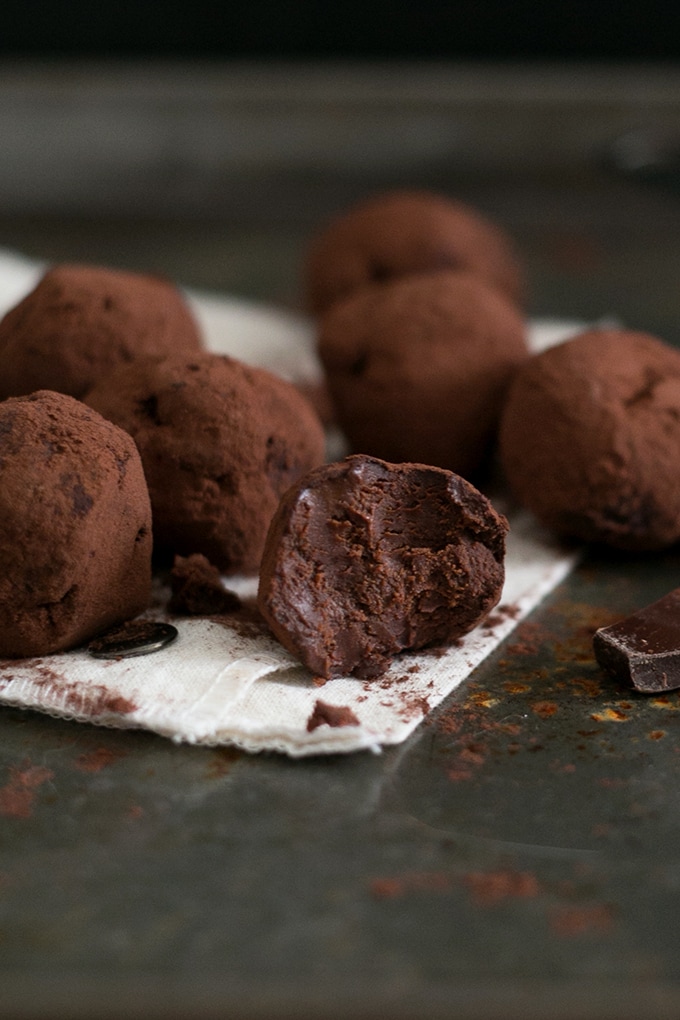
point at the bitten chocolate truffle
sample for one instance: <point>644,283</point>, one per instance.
<point>590,436</point>
<point>80,322</point>
<point>366,559</point>
<point>220,443</point>
<point>418,368</point>
<point>404,232</point>
<point>75,540</point>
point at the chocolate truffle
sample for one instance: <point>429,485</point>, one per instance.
<point>80,322</point>
<point>418,368</point>
<point>365,559</point>
<point>220,442</point>
<point>75,542</point>
<point>590,436</point>
<point>404,232</point>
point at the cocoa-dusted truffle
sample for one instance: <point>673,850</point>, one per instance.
<point>75,538</point>
<point>365,559</point>
<point>404,232</point>
<point>418,368</point>
<point>590,436</point>
<point>80,322</point>
<point>220,443</point>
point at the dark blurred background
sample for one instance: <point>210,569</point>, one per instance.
<point>208,141</point>
<point>310,29</point>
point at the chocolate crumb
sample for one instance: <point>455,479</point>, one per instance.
<point>331,715</point>
<point>492,621</point>
<point>197,588</point>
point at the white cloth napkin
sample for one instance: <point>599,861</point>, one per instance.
<point>226,680</point>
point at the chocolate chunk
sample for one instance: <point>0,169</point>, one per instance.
<point>331,715</point>
<point>643,650</point>
<point>365,559</point>
<point>197,589</point>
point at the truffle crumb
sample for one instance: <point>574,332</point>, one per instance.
<point>197,588</point>
<point>331,715</point>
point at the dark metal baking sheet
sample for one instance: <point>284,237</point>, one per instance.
<point>518,856</point>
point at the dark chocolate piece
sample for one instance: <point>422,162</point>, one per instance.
<point>365,559</point>
<point>643,650</point>
<point>138,637</point>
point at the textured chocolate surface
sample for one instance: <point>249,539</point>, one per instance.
<point>403,232</point>
<point>220,443</point>
<point>418,368</point>
<point>80,322</point>
<point>643,650</point>
<point>365,559</point>
<point>75,541</point>
<point>590,435</point>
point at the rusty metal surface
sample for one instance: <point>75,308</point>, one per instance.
<point>524,839</point>
<point>518,856</point>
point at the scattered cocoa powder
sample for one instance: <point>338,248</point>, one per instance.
<point>98,759</point>
<point>18,793</point>
<point>591,919</point>
<point>492,887</point>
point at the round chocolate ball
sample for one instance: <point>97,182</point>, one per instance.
<point>80,322</point>
<point>75,541</point>
<point>366,559</point>
<point>590,439</point>
<point>220,442</point>
<point>418,368</point>
<point>404,232</point>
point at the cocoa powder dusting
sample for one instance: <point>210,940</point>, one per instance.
<point>18,793</point>
<point>411,882</point>
<point>529,639</point>
<point>487,889</point>
<point>492,887</point>
<point>574,921</point>
<point>97,759</point>
<point>91,700</point>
